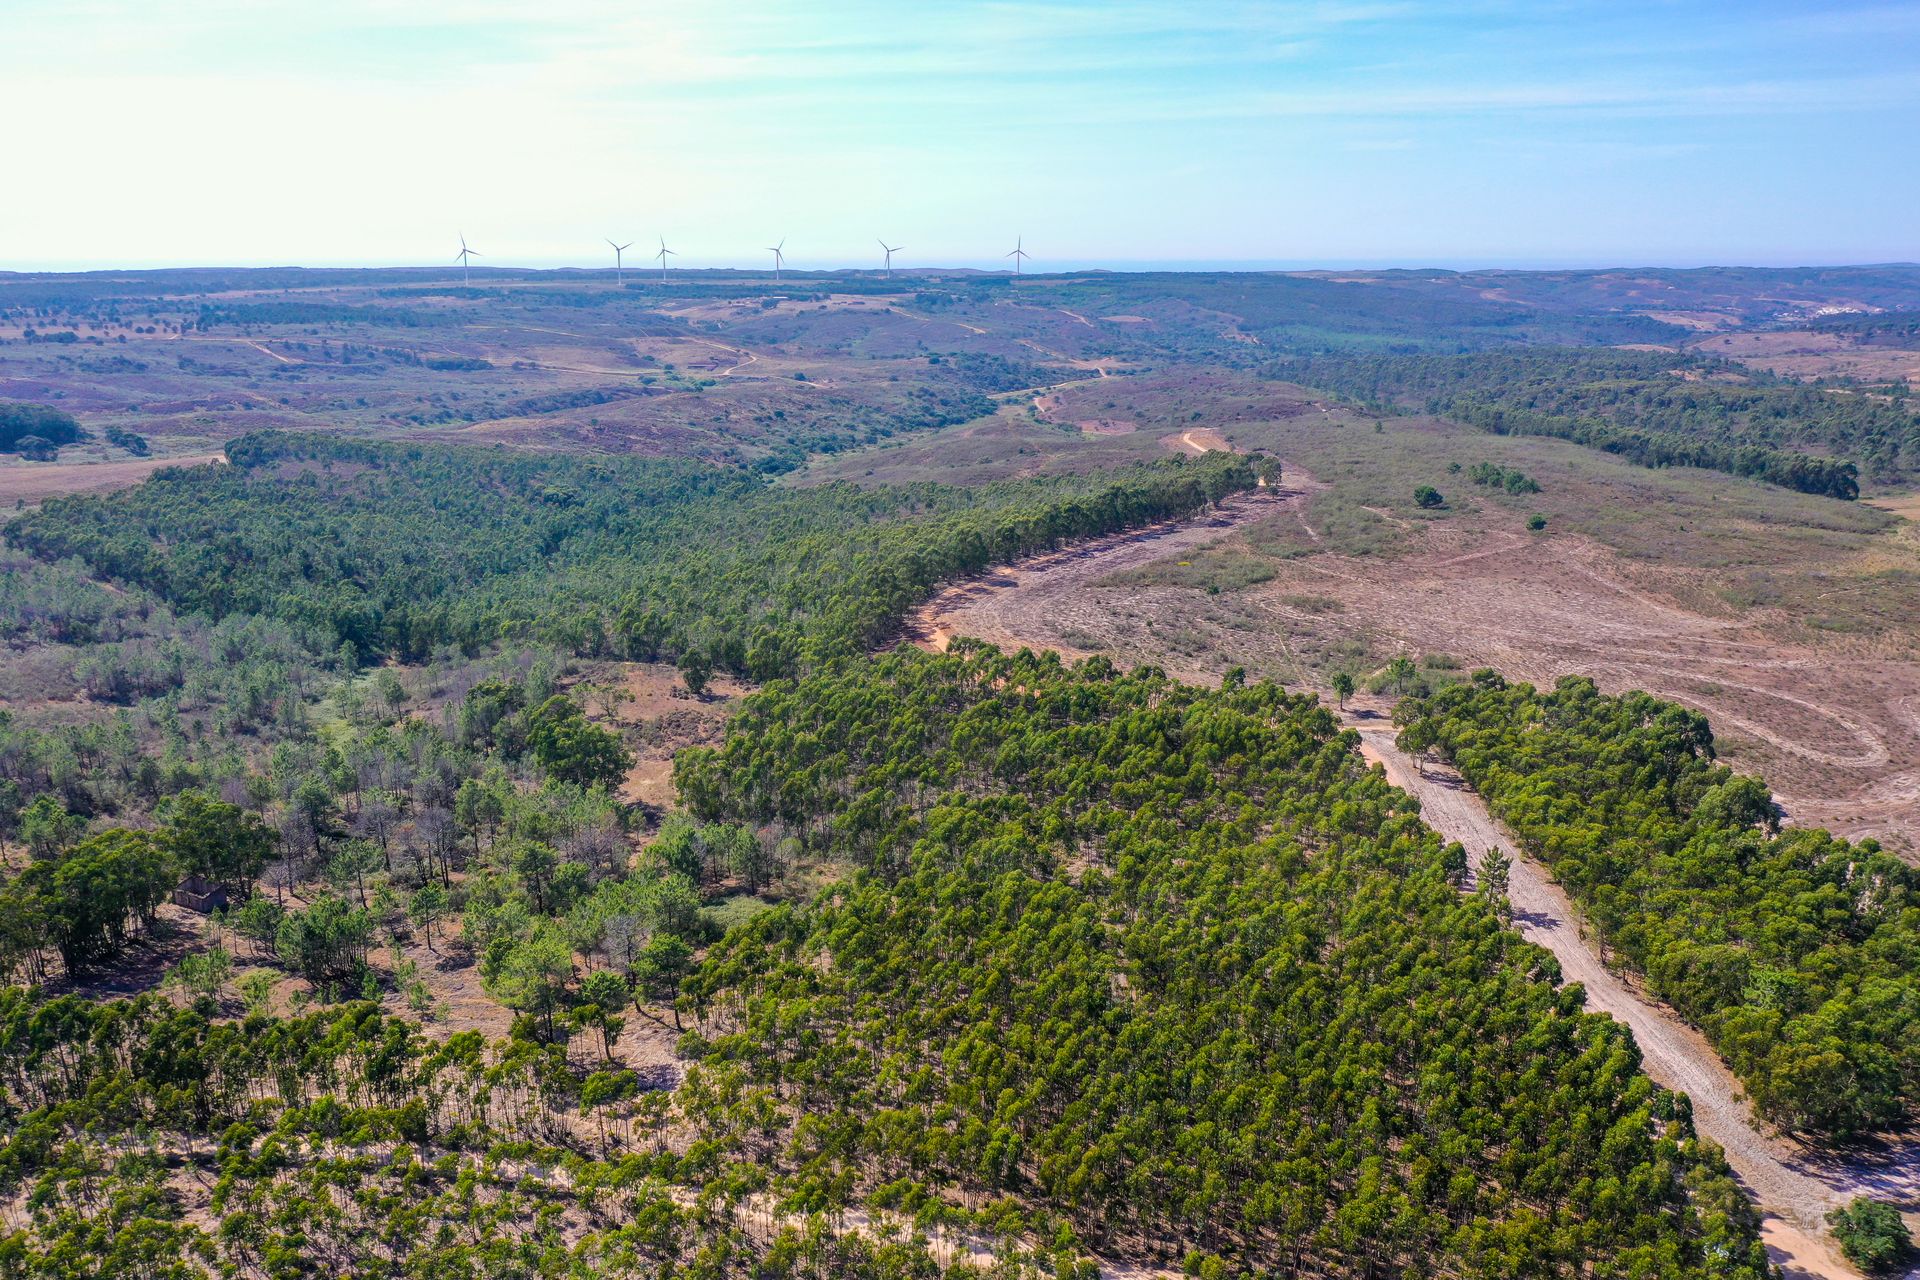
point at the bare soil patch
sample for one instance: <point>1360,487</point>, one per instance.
<point>1904,505</point>
<point>1005,606</point>
<point>35,482</point>
<point>1198,440</point>
<point>1834,726</point>
<point>660,717</point>
<point>1810,353</point>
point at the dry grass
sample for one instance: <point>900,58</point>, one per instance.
<point>1794,622</point>
<point>31,483</point>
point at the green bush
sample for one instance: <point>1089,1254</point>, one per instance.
<point>1872,1235</point>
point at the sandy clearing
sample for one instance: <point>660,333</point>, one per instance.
<point>1793,1184</point>
<point>1828,723</point>
<point>968,607</point>
<point>1200,440</point>
<point>1904,505</point>
<point>35,482</point>
<point>657,717</point>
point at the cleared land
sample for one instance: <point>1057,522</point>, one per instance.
<point>31,483</point>
<point>1033,603</point>
<point>1811,353</point>
<point>1793,621</point>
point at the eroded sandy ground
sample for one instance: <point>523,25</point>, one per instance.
<point>1538,610</point>
<point>1025,604</point>
<point>1835,730</point>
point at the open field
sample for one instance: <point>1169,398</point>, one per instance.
<point>1799,637</point>
<point>30,483</point>
<point>1807,353</point>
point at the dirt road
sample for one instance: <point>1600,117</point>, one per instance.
<point>1794,1186</point>
<point>1052,575</point>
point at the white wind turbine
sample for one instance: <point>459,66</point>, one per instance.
<point>890,249</point>
<point>619,267</point>
<point>779,259</point>
<point>1018,255</point>
<point>663,255</point>
<point>463,255</point>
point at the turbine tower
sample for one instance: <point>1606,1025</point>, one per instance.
<point>890,249</point>
<point>463,255</point>
<point>779,259</point>
<point>1018,255</point>
<point>663,255</point>
<point>619,268</point>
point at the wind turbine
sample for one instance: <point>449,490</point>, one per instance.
<point>463,255</point>
<point>1018,255</point>
<point>619,268</point>
<point>663,255</point>
<point>779,259</point>
<point>891,249</point>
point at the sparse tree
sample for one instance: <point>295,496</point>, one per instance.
<point>427,908</point>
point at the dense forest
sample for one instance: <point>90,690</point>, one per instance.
<point>396,550</point>
<point>1656,408</point>
<point>1172,963</point>
<point>1795,952</point>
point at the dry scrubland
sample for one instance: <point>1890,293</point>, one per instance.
<point>1793,621</point>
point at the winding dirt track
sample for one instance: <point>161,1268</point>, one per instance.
<point>931,625</point>
<point>1794,1186</point>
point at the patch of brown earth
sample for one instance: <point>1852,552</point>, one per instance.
<point>35,482</point>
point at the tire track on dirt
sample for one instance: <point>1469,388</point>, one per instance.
<point>1794,1186</point>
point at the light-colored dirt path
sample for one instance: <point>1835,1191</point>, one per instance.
<point>1794,1186</point>
<point>1205,440</point>
<point>747,356</point>
<point>1055,573</point>
<point>970,328</point>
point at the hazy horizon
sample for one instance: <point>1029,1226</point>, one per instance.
<point>984,266</point>
<point>1348,134</point>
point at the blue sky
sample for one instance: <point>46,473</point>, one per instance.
<point>1142,131</point>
